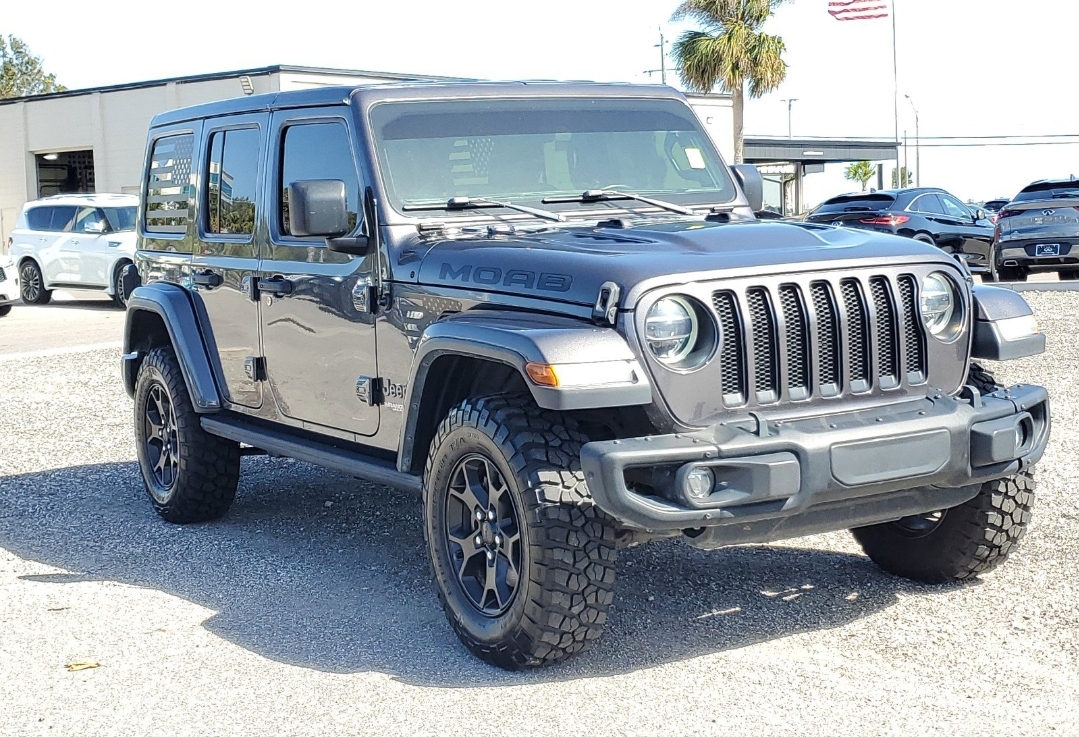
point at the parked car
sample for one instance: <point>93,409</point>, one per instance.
<point>77,241</point>
<point>1038,231</point>
<point>994,206</point>
<point>9,284</point>
<point>585,340</point>
<point>925,214</point>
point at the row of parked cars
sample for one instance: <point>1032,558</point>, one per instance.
<point>1036,231</point>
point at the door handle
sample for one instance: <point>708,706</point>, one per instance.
<point>74,241</point>
<point>278,286</point>
<point>207,278</point>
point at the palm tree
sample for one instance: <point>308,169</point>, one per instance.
<point>730,51</point>
<point>861,172</point>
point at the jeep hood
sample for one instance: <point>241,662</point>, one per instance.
<point>570,264</point>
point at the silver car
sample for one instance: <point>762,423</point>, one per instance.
<point>1038,231</point>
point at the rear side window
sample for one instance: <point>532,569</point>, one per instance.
<point>929,204</point>
<point>38,218</point>
<point>857,203</point>
<point>63,216</point>
<point>169,188</point>
<point>234,158</point>
<point>318,151</point>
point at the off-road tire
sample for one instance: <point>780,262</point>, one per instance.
<point>5,310</point>
<point>30,275</point>
<point>568,546</point>
<point>208,468</point>
<point>970,539</point>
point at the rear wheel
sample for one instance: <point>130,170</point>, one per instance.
<point>1069,275</point>
<point>32,286</point>
<point>1011,273</point>
<point>5,310</point>
<point>522,559</point>
<point>925,238</point>
<point>190,475</point>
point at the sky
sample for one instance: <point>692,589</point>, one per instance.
<point>970,67</point>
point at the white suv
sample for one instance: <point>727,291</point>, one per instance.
<point>76,241</point>
<point>9,284</point>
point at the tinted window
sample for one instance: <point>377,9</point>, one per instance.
<point>1048,191</point>
<point>856,203</point>
<point>63,216</point>
<point>318,151</point>
<point>169,189</point>
<point>231,182</point>
<point>38,218</point>
<point>929,204</point>
<point>955,208</point>
<point>88,219</point>
<point>121,218</point>
<point>538,148</point>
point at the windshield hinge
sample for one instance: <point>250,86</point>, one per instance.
<point>606,310</point>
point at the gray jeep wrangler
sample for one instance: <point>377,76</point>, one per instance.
<point>549,309</point>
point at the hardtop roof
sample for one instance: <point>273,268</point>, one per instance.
<point>371,93</point>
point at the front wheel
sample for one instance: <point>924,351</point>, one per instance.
<point>5,310</point>
<point>522,559</point>
<point>119,298</point>
<point>32,287</point>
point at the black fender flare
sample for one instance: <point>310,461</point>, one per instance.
<point>515,340</point>
<point>173,305</point>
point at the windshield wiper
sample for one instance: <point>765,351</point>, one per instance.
<point>600,195</point>
<point>464,203</point>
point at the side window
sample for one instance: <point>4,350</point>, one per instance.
<point>89,220</point>
<point>63,217</point>
<point>955,208</point>
<point>169,189</point>
<point>38,218</point>
<point>318,151</point>
<point>929,204</point>
<point>231,182</point>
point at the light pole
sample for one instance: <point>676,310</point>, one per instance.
<point>790,104</point>
<point>917,145</point>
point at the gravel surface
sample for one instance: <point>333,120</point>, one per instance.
<point>308,610</point>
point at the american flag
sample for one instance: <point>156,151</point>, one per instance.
<point>858,9</point>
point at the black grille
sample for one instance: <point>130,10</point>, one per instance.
<point>912,333</point>
<point>733,373</point>
<point>842,335</point>
<point>828,359</point>
<point>887,350</point>
<point>764,343</point>
<point>797,335</point>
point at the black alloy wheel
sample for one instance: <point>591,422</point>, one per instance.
<point>162,443</point>
<point>32,287</point>
<point>118,295</point>
<point>483,533</point>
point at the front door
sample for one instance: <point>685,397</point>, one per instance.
<point>974,239</point>
<point>225,261</point>
<point>318,340</point>
<point>89,247</point>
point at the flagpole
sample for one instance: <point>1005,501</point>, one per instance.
<point>895,95</point>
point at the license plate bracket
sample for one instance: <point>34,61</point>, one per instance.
<point>1047,249</point>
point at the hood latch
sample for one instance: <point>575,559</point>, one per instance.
<point>606,310</point>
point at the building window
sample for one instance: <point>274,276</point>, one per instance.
<point>318,151</point>
<point>169,189</point>
<point>232,181</point>
<point>70,172</point>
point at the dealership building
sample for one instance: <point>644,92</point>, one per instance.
<point>92,140</point>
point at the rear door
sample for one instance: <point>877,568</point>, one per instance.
<point>37,238</point>
<point>225,262</point>
<point>318,339</point>
<point>973,239</point>
<point>60,259</point>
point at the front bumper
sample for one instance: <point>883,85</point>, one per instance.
<point>789,478</point>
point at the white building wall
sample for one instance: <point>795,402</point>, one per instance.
<point>717,116</point>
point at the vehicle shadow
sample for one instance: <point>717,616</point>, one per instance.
<point>344,586</point>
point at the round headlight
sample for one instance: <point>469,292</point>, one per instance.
<point>671,329</point>
<point>939,304</point>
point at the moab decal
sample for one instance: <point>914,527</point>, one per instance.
<point>491,275</point>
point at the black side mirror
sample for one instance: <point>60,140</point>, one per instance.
<point>749,178</point>
<point>318,207</point>
<point>979,214</point>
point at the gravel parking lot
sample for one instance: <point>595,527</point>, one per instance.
<point>308,609</point>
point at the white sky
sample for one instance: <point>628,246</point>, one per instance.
<point>973,67</point>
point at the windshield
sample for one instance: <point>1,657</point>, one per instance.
<point>120,218</point>
<point>529,150</point>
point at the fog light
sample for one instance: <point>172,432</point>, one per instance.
<point>699,483</point>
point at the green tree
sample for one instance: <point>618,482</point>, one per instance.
<point>22,73</point>
<point>904,178</point>
<point>861,172</point>
<point>730,50</point>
